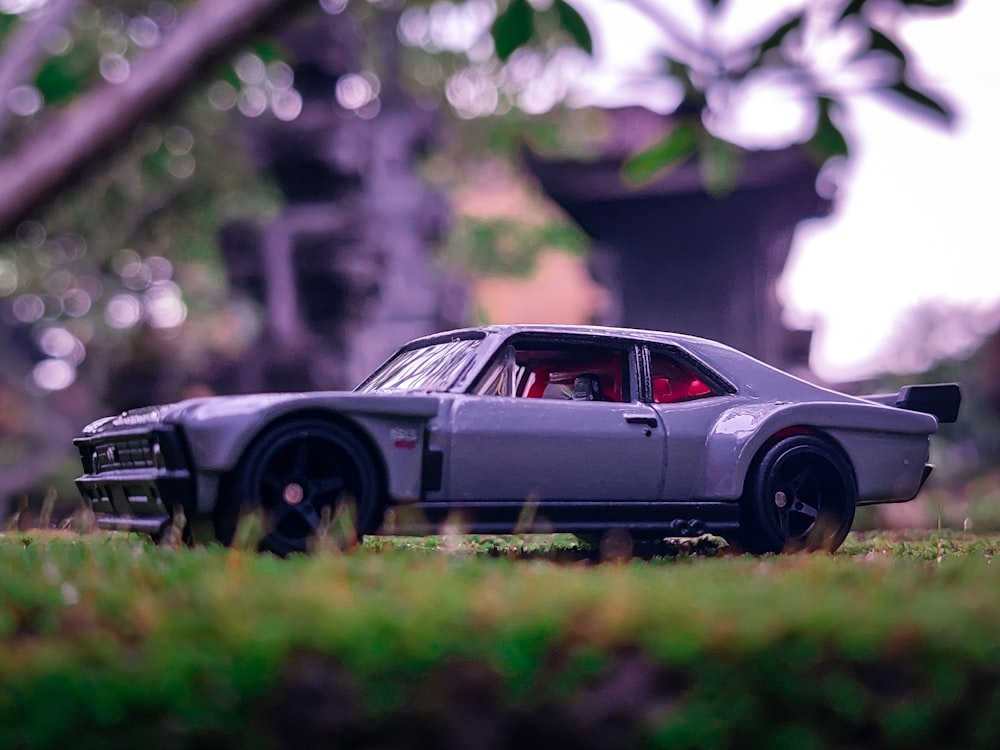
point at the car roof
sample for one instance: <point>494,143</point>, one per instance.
<point>696,345</point>
<point>510,329</point>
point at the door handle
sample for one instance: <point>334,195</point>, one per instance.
<point>641,419</point>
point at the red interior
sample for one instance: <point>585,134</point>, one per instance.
<point>673,383</point>
<point>609,372</point>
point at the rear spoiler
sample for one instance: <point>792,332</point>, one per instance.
<point>940,400</point>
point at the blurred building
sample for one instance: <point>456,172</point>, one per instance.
<point>344,273</point>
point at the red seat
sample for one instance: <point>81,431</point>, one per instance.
<point>536,388</point>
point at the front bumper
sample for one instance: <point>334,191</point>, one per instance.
<point>134,480</point>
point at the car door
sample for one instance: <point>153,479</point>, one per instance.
<point>541,442</point>
<point>685,396</point>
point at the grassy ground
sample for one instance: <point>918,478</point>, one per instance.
<point>107,641</point>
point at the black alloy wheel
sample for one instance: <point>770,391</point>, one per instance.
<point>300,473</point>
<point>801,494</point>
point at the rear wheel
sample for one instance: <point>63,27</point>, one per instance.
<point>800,494</point>
<point>298,474</point>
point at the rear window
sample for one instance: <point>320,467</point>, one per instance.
<point>674,381</point>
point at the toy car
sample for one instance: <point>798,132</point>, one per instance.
<point>589,429</point>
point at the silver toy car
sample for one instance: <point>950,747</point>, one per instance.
<point>589,429</point>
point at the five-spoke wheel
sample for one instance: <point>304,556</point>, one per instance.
<point>298,474</point>
<point>800,494</point>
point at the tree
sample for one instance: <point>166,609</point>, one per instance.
<point>75,289</point>
<point>102,117</point>
<point>710,70</point>
<point>821,52</point>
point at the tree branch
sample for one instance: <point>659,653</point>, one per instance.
<point>100,119</point>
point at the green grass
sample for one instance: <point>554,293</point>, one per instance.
<point>108,641</point>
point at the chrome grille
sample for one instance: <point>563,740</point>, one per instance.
<point>134,453</point>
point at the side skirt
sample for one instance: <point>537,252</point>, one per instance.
<point>642,518</point>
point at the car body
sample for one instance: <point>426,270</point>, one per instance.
<point>577,428</point>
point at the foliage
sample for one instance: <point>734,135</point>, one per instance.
<point>109,257</point>
<point>108,260</point>
<point>715,73</point>
<point>109,642</point>
<point>91,274</point>
<point>521,22</point>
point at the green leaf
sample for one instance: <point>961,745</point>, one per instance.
<point>63,77</point>
<point>721,163</point>
<point>573,24</point>
<point>513,28</point>
<point>778,36</point>
<point>827,142</point>
<point>662,156</point>
<point>923,100</point>
<point>268,51</point>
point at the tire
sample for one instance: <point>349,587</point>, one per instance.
<point>800,494</point>
<point>294,473</point>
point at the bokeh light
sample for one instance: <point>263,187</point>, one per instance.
<point>77,303</point>
<point>333,7</point>
<point>59,343</point>
<point>222,95</point>
<point>123,311</point>
<point>252,102</point>
<point>472,93</point>
<point>25,100</point>
<point>178,140</point>
<point>182,166</point>
<point>31,234</point>
<point>53,374</point>
<point>250,69</point>
<point>144,31</point>
<point>115,68</point>
<point>58,41</point>
<point>163,305</point>
<point>354,91</point>
<point>28,308</point>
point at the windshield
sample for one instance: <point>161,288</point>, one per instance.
<point>430,368</point>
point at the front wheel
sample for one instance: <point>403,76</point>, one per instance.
<point>298,474</point>
<point>800,494</point>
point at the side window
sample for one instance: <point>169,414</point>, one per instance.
<point>558,370</point>
<point>581,372</point>
<point>674,380</point>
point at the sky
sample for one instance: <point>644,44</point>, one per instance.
<point>914,217</point>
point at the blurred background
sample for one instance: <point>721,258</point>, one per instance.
<point>222,196</point>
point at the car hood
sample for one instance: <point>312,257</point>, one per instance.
<point>212,408</point>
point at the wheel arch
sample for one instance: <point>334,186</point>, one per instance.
<point>277,421</point>
<point>742,435</point>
